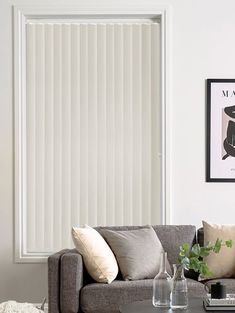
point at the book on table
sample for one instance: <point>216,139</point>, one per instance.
<point>225,304</point>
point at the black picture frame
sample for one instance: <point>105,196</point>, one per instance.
<point>220,130</point>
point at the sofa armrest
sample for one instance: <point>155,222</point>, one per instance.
<point>54,281</point>
<point>71,281</point>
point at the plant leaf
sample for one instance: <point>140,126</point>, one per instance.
<point>217,245</point>
<point>204,251</point>
<point>196,250</point>
<point>184,250</point>
<point>229,243</point>
<point>194,264</point>
<point>185,262</point>
<point>208,246</point>
<point>204,270</point>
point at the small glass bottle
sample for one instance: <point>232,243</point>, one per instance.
<point>162,285</point>
<point>179,292</point>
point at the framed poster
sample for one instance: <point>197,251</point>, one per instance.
<point>220,130</point>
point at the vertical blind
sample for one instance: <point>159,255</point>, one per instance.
<point>92,128</point>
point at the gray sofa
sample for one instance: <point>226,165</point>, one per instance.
<point>72,290</point>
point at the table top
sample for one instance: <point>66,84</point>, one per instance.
<point>195,306</point>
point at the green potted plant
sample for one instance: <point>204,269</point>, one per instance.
<point>192,259</point>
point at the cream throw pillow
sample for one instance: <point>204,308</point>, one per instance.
<point>98,258</point>
<point>221,264</point>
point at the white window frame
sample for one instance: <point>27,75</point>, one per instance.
<point>22,14</point>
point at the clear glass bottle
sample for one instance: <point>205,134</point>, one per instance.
<point>179,292</point>
<point>162,285</point>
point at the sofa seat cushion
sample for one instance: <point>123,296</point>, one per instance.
<point>103,298</point>
<point>228,282</point>
<point>195,288</point>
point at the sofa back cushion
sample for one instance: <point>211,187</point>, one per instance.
<point>173,236</point>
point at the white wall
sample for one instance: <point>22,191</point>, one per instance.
<point>202,46</point>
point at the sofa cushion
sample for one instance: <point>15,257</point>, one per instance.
<point>103,298</point>
<point>173,236</point>
<point>128,247</point>
<point>221,264</point>
<point>97,256</point>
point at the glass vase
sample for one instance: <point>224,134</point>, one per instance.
<point>179,291</point>
<point>162,285</point>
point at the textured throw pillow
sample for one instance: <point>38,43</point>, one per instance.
<point>221,264</point>
<point>97,256</point>
<point>137,252</point>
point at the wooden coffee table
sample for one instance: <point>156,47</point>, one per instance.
<point>195,306</point>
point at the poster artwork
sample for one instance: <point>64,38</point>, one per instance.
<point>220,130</point>
<point>228,125</point>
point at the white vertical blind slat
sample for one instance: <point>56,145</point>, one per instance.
<point>118,105</point>
<point>75,124</point>
<point>49,138</point>
<point>137,123</point>
<point>92,125</point>
<point>156,121</point>
<point>84,124</point>
<point>66,134</point>
<point>128,125</point>
<point>57,195</point>
<point>146,123</point>
<point>110,124</point>
<point>93,112</point>
<point>31,146</point>
<point>101,124</point>
<point>40,135</point>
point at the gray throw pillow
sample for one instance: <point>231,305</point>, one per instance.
<point>137,251</point>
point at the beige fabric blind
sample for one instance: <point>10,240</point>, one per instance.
<point>92,128</point>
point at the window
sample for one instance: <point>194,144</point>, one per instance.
<point>88,127</point>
